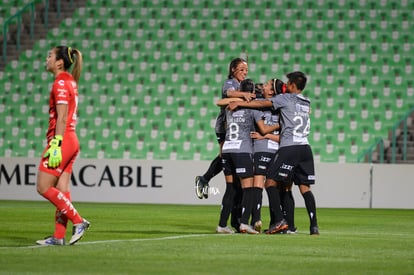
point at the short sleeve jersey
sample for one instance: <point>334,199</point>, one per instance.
<point>229,84</point>
<point>239,125</point>
<point>269,118</point>
<point>294,118</point>
<point>64,91</point>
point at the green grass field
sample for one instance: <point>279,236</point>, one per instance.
<point>176,239</point>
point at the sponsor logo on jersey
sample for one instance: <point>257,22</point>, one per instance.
<point>287,167</point>
<point>240,170</point>
<point>265,159</point>
<point>283,175</point>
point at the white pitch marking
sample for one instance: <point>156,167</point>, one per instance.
<point>126,240</point>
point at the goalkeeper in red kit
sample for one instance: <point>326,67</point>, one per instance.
<point>55,168</point>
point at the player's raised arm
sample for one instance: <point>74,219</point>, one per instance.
<point>242,95</point>
<point>254,104</point>
<point>225,101</point>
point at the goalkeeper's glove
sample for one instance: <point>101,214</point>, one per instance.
<point>54,153</point>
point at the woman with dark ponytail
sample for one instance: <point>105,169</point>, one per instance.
<point>55,168</point>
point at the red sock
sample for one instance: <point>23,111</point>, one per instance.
<point>63,204</point>
<point>61,221</point>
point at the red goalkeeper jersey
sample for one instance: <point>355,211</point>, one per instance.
<point>64,91</point>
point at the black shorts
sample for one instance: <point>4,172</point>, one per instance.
<point>240,164</point>
<point>293,164</point>
<point>262,161</point>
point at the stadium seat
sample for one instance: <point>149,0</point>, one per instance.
<point>164,64</point>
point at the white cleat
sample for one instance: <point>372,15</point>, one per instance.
<point>245,228</point>
<point>224,230</point>
<point>51,241</point>
<point>78,231</point>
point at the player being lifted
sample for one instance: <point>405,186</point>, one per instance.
<point>238,69</point>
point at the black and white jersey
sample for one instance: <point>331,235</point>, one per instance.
<point>229,84</point>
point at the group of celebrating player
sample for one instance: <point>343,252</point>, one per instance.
<point>263,135</point>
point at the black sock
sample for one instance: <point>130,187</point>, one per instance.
<point>247,204</point>
<point>237,200</point>
<point>257,204</point>
<point>271,214</point>
<point>310,207</point>
<point>288,207</point>
<point>282,194</point>
<point>215,167</point>
<point>226,204</point>
<point>274,204</point>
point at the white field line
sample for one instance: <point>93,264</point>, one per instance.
<point>125,240</point>
<point>329,233</point>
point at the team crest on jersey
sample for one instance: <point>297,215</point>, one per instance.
<point>61,82</point>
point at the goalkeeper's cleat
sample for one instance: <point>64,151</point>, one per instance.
<point>314,230</point>
<point>277,227</point>
<point>224,230</point>
<point>51,241</point>
<point>245,228</point>
<point>78,231</point>
<point>201,187</point>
